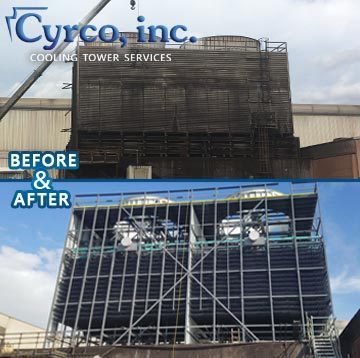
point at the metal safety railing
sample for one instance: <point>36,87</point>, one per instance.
<point>323,336</point>
<point>173,197</point>
<point>277,47</point>
<point>215,43</point>
<point>333,334</point>
<point>16,344</point>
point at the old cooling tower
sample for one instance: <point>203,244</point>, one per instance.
<point>219,108</point>
<point>212,266</point>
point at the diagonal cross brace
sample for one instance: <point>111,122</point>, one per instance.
<point>187,273</point>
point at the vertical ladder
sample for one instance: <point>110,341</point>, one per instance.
<point>235,335</point>
<point>263,124</point>
<point>264,152</point>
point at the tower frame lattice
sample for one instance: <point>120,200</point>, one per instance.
<point>219,265</point>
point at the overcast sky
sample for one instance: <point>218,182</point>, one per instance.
<point>31,242</point>
<point>323,38</point>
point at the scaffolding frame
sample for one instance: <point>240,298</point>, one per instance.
<point>187,280</point>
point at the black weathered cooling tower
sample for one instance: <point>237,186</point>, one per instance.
<point>219,108</point>
<point>194,267</point>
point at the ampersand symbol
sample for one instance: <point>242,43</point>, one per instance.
<point>42,181</point>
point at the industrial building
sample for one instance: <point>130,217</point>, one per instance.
<point>219,266</point>
<point>11,329</point>
<point>320,123</point>
<point>327,136</point>
<point>338,159</point>
<point>34,124</point>
<point>350,338</point>
<point>329,139</point>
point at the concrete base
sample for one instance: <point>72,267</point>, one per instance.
<point>254,350</point>
<point>251,350</point>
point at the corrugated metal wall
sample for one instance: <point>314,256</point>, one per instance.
<point>35,125</point>
<point>317,124</point>
<point>314,130</point>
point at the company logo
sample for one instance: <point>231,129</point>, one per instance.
<point>23,17</point>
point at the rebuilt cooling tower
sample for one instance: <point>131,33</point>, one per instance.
<point>258,267</point>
